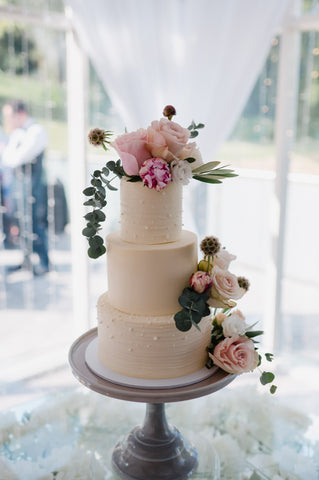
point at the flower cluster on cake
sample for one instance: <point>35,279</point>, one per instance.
<point>233,346</point>
<point>161,154</point>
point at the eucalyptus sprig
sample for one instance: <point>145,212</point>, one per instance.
<point>194,309</point>
<point>211,173</point>
<point>97,193</point>
<point>194,129</point>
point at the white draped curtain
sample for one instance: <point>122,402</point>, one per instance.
<point>202,56</point>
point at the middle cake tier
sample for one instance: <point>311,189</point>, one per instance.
<point>148,279</point>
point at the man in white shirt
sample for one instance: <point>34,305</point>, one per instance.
<point>24,154</point>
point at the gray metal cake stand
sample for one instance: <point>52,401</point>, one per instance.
<point>155,450</point>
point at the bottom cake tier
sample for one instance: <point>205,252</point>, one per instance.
<point>148,346</point>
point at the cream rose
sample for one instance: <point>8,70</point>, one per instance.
<point>223,258</point>
<point>235,355</point>
<point>234,324</point>
<point>181,172</point>
<point>224,288</point>
<point>191,151</point>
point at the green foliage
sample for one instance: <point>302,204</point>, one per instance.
<point>211,173</point>
<point>269,357</point>
<point>193,129</point>
<point>194,309</point>
<point>97,193</point>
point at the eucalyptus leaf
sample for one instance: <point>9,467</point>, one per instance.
<point>273,389</point>
<point>269,357</point>
<point>182,321</point>
<point>96,242</point>
<point>266,377</point>
<point>96,253</point>
<point>89,191</point>
<point>193,134</point>
<point>111,165</point>
<point>111,187</point>
<point>90,203</point>
<point>190,159</point>
<point>88,231</point>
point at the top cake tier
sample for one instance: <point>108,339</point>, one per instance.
<point>149,217</point>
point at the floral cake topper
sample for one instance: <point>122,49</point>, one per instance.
<point>233,345</point>
<point>160,154</point>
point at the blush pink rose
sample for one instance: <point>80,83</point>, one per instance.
<point>224,288</point>
<point>175,136</point>
<point>200,281</point>
<point>235,355</point>
<point>155,173</point>
<point>132,150</point>
<point>191,151</point>
<point>156,143</point>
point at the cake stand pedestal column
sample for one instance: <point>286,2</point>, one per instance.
<point>153,451</point>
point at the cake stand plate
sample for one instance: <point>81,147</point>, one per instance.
<point>155,450</point>
<point>92,361</point>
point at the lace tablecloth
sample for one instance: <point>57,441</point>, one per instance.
<point>71,436</point>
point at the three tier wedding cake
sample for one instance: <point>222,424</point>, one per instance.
<point>165,314</point>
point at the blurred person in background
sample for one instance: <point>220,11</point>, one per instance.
<point>24,155</point>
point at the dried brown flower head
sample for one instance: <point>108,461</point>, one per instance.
<point>243,283</point>
<point>210,246</point>
<point>97,136</point>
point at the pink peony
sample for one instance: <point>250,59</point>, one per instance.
<point>155,173</point>
<point>200,281</point>
<point>132,150</point>
<point>175,136</point>
<point>235,355</point>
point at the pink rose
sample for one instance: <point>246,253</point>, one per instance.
<point>200,281</point>
<point>155,173</point>
<point>132,150</point>
<point>235,355</point>
<point>191,151</point>
<point>224,288</point>
<point>175,136</point>
<point>156,143</point>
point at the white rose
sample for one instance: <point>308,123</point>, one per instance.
<point>181,172</point>
<point>191,151</point>
<point>225,288</point>
<point>234,324</point>
<point>223,258</point>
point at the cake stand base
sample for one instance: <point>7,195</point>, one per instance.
<point>154,451</point>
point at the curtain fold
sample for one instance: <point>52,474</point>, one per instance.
<point>202,56</point>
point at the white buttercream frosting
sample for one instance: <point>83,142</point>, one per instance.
<point>148,279</point>
<point>149,216</point>
<point>145,346</point>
